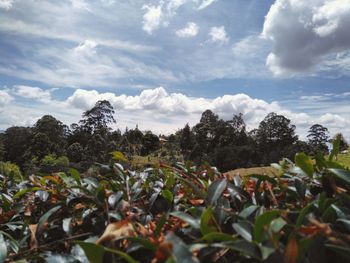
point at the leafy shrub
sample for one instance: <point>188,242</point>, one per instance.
<point>50,163</point>
<point>10,170</point>
<point>180,213</point>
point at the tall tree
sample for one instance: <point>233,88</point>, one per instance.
<point>99,117</point>
<point>186,139</point>
<point>275,133</point>
<point>343,144</point>
<point>16,141</point>
<point>318,137</point>
<point>55,131</point>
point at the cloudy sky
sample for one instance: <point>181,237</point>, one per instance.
<point>163,62</point>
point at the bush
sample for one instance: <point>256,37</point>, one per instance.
<point>50,164</point>
<point>180,214</point>
<point>11,170</point>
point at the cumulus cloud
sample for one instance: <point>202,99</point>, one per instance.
<point>159,104</point>
<point>152,18</point>
<point>190,30</point>
<point>218,34</point>
<point>35,93</point>
<point>6,4</point>
<point>304,32</point>
<point>5,98</point>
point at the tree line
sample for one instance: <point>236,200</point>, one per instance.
<point>49,145</point>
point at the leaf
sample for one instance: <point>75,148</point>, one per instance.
<point>345,222</point>
<point>277,224</point>
<point>305,163</point>
<point>181,253</point>
<point>161,222</point>
<point>303,213</point>
<point>341,174</point>
<point>168,196</point>
<point>123,255</point>
<point>244,247</point>
<point>245,213</point>
<point>243,229</point>
<point>344,251</point>
<point>292,251</point>
<point>75,174</point>
<point>218,236</point>
<point>207,220</point>
<point>93,252</point>
<point>44,218</point>
<point>215,190</point>
<point>300,187</point>
<point>261,222</point>
<point>117,230</point>
<point>187,218</point>
<point>3,249</point>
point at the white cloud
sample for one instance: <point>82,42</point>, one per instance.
<point>190,30</point>
<point>205,4</point>
<point>218,34</point>
<point>178,109</point>
<point>6,4</point>
<point>303,33</point>
<point>35,93</point>
<point>87,48</point>
<point>152,18</point>
<point>5,98</point>
<point>80,4</point>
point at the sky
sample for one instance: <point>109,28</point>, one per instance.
<point>161,63</point>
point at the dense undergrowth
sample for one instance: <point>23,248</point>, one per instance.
<point>178,214</point>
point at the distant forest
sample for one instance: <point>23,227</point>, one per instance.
<point>51,146</point>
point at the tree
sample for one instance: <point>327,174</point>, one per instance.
<point>99,117</point>
<point>343,144</point>
<point>150,143</point>
<point>75,152</point>
<point>275,133</point>
<point>56,132</point>
<point>186,139</point>
<point>318,137</point>
<point>16,141</point>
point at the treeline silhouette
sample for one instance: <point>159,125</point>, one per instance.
<point>50,145</point>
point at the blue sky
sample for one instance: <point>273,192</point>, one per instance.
<point>162,62</point>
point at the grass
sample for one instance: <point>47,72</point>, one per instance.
<point>344,159</point>
<point>268,170</point>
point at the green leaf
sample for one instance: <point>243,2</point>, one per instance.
<point>217,236</point>
<point>181,252</point>
<point>305,163</point>
<point>75,174</point>
<point>341,174</point>
<point>215,190</point>
<point>168,196</point>
<point>303,213</point>
<point>207,219</point>
<point>261,222</point>
<point>244,229</point>
<point>245,213</point>
<point>187,218</point>
<point>121,254</point>
<point>161,222</point>
<point>24,191</point>
<point>244,247</point>
<point>44,218</point>
<point>345,222</point>
<point>3,249</point>
<point>93,252</point>
<point>343,251</point>
<point>277,224</point>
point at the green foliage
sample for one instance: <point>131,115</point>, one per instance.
<point>10,170</point>
<point>179,214</point>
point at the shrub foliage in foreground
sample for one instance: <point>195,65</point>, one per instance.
<point>179,214</point>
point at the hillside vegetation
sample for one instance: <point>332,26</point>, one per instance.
<point>180,213</point>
